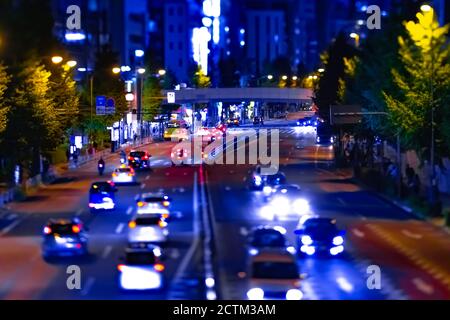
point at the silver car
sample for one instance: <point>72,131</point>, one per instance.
<point>147,229</point>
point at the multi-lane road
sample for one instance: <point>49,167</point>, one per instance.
<point>413,256</point>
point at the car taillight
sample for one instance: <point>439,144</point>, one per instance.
<point>159,267</point>
<point>140,204</point>
<point>166,203</point>
<point>130,158</point>
<point>130,174</point>
<point>165,215</point>
<point>47,230</point>
<point>114,174</point>
<point>76,229</point>
<point>91,205</point>
<point>145,158</point>
<point>132,224</point>
<point>120,267</point>
<point>162,224</point>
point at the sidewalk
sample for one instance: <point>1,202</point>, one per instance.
<point>401,203</point>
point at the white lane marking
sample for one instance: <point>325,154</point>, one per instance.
<point>11,216</point>
<point>227,188</point>
<point>341,201</point>
<point>344,284</point>
<point>147,177</point>
<point>10,227</point>
<point>412,235</point>
<point>142,185</point>
<point>88,286</point>
<point>423,286</point>
<point>129,210</point>
<point>358,233</point>
<point>175,254</point>
<point>243,231</point>
<point>167,173</point>
<point>120,228</point>
<point>181,190</point>
<point>137,197</point>
<point>79,212</point>
<point>196,228</point>
<point>106,251</point>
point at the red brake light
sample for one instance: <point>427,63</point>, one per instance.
<point>162,224</point>
<point>47,230</point>
<point>120,267</point>
<point>76,229</point>
<point>159,267</point>
<point>130,158</point>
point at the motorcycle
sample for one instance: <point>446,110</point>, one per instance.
<point>101,168</point>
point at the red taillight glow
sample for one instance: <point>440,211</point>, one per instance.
<point>76,229</point>
<point>162,224</point>
<point>130,158</point>
<point>120,267</point>
<point>114,174</point>
<point>166,203</point>
<point>140,204</point>
<point>159,267</point>
<point>91,205</point>
<point>132,224</point>
<point>47,230</point>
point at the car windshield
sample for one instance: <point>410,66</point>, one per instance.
<point>137,154</point>
<point>154,199</point>
<point>101,188</point>
<point>318,227</point>
<point>62,229</point>
<point>275,270</point>
<point>140,258</point>
<point>268,239</point>
<point>147,221</point>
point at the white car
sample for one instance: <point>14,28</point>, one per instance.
<point>274,275</point>
<point>152,203</point>
<point>141,269</point>
<point>124,175</point>
<point>147,229</point>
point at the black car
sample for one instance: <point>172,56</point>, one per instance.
<point>319,235</point>
<point>258,121</point>
<point>233,122</point>
<point>268,237</point>
<point>325,135</point>
<point>139,160</point>
<point>64,237</point>
<point>275,179</point>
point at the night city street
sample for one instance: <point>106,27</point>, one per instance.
<point>221,150</point>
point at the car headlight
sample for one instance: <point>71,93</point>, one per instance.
<point>318,139</point>
<point>301,206</point>
<point>306,240</point>
<point>332,140</point>
<point>291,250</point>
<point>338,240</point>
<point>298,123</point>
<point>253,251</point>
<point>336,250</point>
<point>281,205</point>
<point>294,294</point>
<point>106,199</point>
<point>258,180</point>
<point>255,294</point>
<point>267,189</point>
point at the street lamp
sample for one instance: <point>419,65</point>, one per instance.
<point>294,78</point>
<point>321,70</point>
<point>57,59</point>
<point>284,77</point>
<point>141,70</point>
<point>71,63</point>
<point>426,8</point>
<point>355,36</point>
<point>116,70</point>
<point>270,77</point>
<point>161,72</point>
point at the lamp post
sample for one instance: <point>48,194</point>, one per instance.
<point>355,36</point>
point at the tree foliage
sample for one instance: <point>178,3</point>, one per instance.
<point>201,80</point>
<point>4,81</point>
<point>423,83</point>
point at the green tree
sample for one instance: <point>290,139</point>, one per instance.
<point>200,79</point>
<point>4,81</point>
<point>330,82</point>
<point>423,83</point>
<point>151,102</point>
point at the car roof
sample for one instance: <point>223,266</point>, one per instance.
<point>152,194</point>
<point>274,255</point>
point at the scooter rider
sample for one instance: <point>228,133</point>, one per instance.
<point>101,166</point>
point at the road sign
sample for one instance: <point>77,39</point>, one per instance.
<point>100,105</point>
<point>346,114</point>
<point>170,97</point>
<point>110,106</point>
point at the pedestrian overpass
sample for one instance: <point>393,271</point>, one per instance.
<point>212,95</point>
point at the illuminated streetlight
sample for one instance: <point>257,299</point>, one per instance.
<point>71,63</point>
<point>141,70</point>
<point>294,78</point>
<point>116,70</point>
<point>284,77</point>
<point>129,97</point>
<point>426,8</point>
<point>355,36</point>
<point>270,77</point>
<point>315,77</point>
<point>321,70</point>
<point>57,59</point>
<point>310,77</point>
<point>162,72</point>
